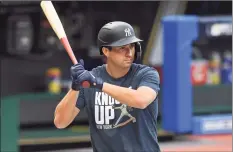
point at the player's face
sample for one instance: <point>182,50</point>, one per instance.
<point>123,56</point>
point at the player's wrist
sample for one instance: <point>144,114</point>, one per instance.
<point>75,86</point>
<point>105,86</point>
<point>99,83</point>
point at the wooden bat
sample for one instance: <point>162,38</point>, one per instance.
<point>56,24</point>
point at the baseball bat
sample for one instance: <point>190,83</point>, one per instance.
<point>56,25</point>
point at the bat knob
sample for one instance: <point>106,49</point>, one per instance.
<point>86,84</point>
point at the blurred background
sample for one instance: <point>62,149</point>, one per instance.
<point>35,70</point>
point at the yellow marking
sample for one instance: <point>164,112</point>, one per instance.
<point>79,129</point>
<point>54,140</point>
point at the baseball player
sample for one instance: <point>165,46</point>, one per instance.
<point>117,83</point>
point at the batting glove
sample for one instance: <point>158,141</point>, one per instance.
<point>79,75</point>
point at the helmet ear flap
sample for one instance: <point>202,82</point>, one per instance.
<point>138,51</point>
<point>101,52</point>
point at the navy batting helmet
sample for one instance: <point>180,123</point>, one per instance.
<point>118,33</point>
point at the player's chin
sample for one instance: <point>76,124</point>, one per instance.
<point>127,64</point>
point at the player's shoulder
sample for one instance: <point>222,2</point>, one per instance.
<point>143,69</point>
<point>145,72</point>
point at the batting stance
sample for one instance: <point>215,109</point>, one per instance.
<point>118,83</point>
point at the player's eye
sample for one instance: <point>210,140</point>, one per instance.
<point>132,45</point>
<point>122,48</point>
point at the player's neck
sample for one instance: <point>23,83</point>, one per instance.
<point>116,72</point>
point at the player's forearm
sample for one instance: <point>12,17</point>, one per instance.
<point>124,95</point>
<point>65,109</point>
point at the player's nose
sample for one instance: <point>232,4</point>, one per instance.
<point>129,51</point>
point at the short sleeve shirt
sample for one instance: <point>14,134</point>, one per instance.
<point>116,127</point>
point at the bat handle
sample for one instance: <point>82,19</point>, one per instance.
<point>69,50</point>
<point>86,84</point>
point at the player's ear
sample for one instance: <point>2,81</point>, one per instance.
<point>105,51</point>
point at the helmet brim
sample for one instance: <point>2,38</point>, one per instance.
<point>125,41</point>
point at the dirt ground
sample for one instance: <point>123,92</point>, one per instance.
<point>207,143</point>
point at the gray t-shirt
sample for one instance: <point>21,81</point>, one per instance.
<point>116,127</point>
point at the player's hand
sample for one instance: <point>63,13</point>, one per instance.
<point>80,75</point>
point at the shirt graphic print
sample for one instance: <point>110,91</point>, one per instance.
<point>106,109</point>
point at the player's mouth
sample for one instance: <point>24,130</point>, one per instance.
<point>128,60</point>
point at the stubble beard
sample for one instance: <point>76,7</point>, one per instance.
<point>123,65</point>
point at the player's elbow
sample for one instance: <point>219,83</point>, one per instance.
<point>145,98</point>
<point>141,103</point>
<point>58,123</point>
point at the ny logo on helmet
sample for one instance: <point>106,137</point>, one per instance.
<point>127,32</point>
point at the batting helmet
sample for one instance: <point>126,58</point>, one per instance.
<point>118,33</point>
